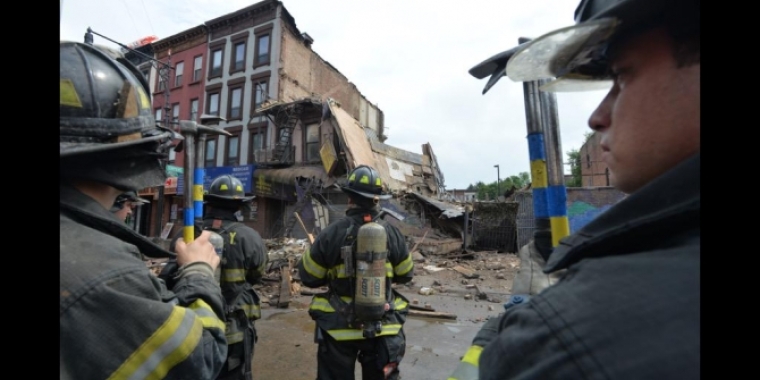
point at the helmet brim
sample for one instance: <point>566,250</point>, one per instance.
<point>366,195</point>
<point>552,55</point>
<point>574,57</point>
<point>76,148</point>
<point>243,199</point>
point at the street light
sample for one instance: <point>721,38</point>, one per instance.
<point>498,181</point>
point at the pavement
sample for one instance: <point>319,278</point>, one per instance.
<point>434,347</point>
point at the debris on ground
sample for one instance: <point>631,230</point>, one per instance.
<point>441,269</point>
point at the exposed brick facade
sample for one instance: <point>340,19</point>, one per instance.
<point>594,171</point>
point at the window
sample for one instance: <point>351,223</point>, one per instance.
<point>194,110</point>
<point>178,71</point>
<point>146,73</point>
<point>260,89</point>
<point>216,63</point>
<point>262,53</point>
<point>312,143</point>
<point>158,116</point>
<point>262,49</point>
<point>258,133</point>
<point>261,93</point>
<point>210,159</point>
<point>233,149</point>
<point>175,112</point>
<point>239,57</point>
<point>161,82</point>
<point>172,156</point>
<point>213,104</point>
<point>197,67</point>
<point>235,111</point>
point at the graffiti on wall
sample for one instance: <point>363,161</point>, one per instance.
<point>579,213</point>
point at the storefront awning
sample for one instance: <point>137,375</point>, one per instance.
<point>274,183</point>
<point>288,176</point>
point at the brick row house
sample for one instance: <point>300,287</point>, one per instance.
<point>594,171</point>
<point>238,66</point>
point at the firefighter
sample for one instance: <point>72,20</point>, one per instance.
<point>344,332</point>
<point>628,305</point>
<point>125,203</point>
<point>118,320</point>
<point>243,264</point>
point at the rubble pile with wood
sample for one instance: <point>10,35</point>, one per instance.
<point>441,268</point>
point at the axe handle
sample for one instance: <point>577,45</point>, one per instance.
<point>311,238</point>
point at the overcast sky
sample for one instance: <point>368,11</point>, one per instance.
<point>409,57</point>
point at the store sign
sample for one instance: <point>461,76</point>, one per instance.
<point>171,182</point>
<point>243,172</point>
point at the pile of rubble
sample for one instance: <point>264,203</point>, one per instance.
<point>485,276</point>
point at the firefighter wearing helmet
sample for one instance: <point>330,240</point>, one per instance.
<point>125,203</point>
<point>628,304</point>
<point>244,258</point>
<point>361,316</point>
<point>117,319</point>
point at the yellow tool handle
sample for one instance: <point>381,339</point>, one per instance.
<point>311,238</point>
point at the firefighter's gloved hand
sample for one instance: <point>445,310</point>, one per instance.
<point>530,278</point>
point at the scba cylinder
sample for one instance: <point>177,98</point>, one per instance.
<point>371,254</point>
<point>218,242</point>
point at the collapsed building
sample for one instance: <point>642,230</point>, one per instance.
<point>289,189</point>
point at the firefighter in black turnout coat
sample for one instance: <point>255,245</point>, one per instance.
<point>353,322</point>
<point>243,263</point>
<point>117,319</point>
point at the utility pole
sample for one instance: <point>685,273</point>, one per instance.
<point>542,236</point>
<point>556,190</point>
<point>498,182</point>
<point>164,73</point>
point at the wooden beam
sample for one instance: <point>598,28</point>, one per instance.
<point>431,314</point>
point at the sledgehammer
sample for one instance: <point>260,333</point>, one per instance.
<point>194,173</point>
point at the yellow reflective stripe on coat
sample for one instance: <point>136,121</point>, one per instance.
<point>252,311</point>
<point>388,270</point>
<point>312,267</point>
<point>354,334</point>
<point>322,304</point>
<point>404,267</point>
<point>233,275</point>
<point>169,345</point>
<point>399,304</point>
<point>338,271</point>
<point>468,367</point>
<point>235,337</point>
<point>206,314</point>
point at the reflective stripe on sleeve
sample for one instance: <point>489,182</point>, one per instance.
<point>468,367</point>
<point>312,267</point>
<point>206,315</point>
<point>355,334</point>
<point>233,275</point>
<point>169,345</point>
<point>404,267</point>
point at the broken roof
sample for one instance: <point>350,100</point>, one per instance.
<point>400,169</point>
<point>449,210</point>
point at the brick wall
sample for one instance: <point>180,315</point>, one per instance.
<point>593,169</point>
<point>583,205</point>
<point>304,73</point>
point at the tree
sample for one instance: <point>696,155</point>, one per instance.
<point>574,159</point>
<point>488,191</point>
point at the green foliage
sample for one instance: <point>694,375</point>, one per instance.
<point>489,191</point>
